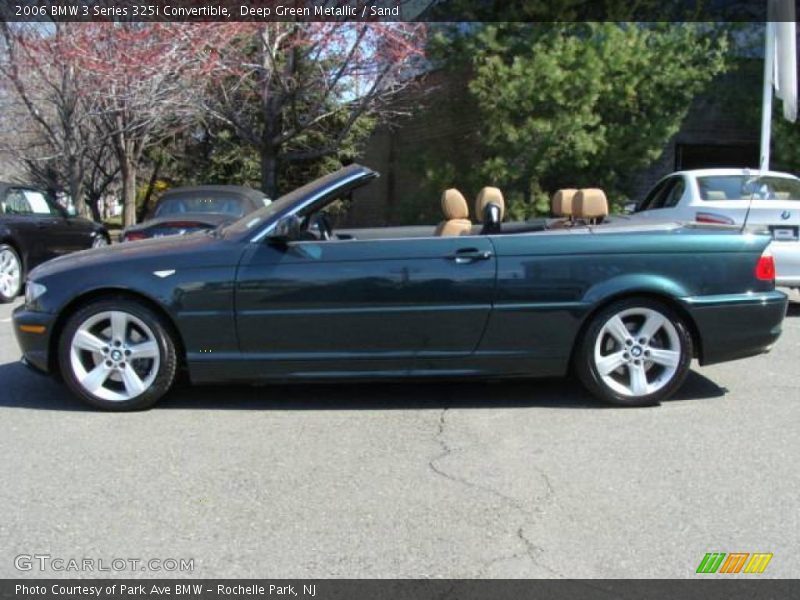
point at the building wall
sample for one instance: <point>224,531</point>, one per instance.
<point>444,122</point>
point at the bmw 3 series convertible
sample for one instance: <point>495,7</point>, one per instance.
<point>281,295</point>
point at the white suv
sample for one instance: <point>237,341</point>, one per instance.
<point>768,200</point>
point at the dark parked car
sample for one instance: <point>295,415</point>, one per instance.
<point>188,209</point>
<point>280,295</point>
<point>33,229</point>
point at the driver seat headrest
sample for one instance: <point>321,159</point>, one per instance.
<point>490,208</point>
<point>486,197</point>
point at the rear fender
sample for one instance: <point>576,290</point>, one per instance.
<point>634,283</point>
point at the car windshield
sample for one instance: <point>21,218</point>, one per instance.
<point>257,218</point>
<point>742,187</point>
<point>200,203</point>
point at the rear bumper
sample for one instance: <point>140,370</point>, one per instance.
<point>35,346</point>
<point>787,263</point>
<point>736,325</point>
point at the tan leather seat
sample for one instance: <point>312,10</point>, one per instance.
<point>561,208</point>
<point>561,202</point>
<point>456,214</point>
<point>590,205</point>
<point>490,208</point>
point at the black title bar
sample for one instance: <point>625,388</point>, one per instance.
<point>385,10</point>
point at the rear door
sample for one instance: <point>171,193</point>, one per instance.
<point>351,306</point>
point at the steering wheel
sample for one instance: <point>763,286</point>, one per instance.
<point>320,220</point>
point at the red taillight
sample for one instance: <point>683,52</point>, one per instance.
<point>765,267</point>
<point>707,217</point>
<point>133,236</point>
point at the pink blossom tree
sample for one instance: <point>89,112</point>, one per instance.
<point>296,91</point>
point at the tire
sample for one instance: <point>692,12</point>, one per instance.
<point>11,274</point>
<point>640,363</point>
<point>88,344</point>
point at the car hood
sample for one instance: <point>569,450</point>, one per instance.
<point>209,219</point>
<point>174,251</point>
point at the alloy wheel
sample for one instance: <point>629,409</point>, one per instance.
<point>637,352</point>
<point>10,273</point>
<point>114,356</point>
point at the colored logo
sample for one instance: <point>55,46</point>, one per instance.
<point>735,562</point>
<point>785,215</point>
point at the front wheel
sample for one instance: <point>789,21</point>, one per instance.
<point>635,352</point>
<point>117,354</point>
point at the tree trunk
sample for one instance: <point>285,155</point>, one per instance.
<point>128,170</point>
<point>269,172</point>
<point>94,206</point>
<point>150,187</point>
<point>76,189</point>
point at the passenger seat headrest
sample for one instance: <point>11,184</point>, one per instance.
<point>487,196</point>
<point>454,206</point>
<point>590,203</point>
<point>716,195</point>
<point>561,204</point>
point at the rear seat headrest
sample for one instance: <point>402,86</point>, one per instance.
<point>590,203</point>
<point>489,195</point>
<point>454,205</point>
<point>561,204</point>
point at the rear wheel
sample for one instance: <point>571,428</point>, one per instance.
<point>117,354</point>
<point>100,241</point>
<point>10,273</point>
<point>635,352</point>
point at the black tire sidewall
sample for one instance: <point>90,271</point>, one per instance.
<point>168,362</point>
<point>6,299</point>
<point>587,370</point>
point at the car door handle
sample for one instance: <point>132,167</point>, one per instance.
<point>468,255</point>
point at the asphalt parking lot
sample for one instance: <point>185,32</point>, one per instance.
<point>522,479</point>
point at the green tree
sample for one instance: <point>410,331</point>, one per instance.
<point>785,142</point>
<point>579,104</point>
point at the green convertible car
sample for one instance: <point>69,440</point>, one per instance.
<point>280,295</point>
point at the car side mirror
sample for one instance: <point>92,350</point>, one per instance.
<point>629,208</point>
<point>286,229</point>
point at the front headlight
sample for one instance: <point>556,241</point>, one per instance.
<point>33,291</point>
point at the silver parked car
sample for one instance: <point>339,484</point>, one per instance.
<point>766,200</point>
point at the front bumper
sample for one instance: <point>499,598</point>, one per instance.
<point>35,345</point>
<point>736,326</point>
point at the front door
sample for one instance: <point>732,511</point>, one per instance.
<point>352,306</point>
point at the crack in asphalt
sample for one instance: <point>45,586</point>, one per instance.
<point>531,551</point>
